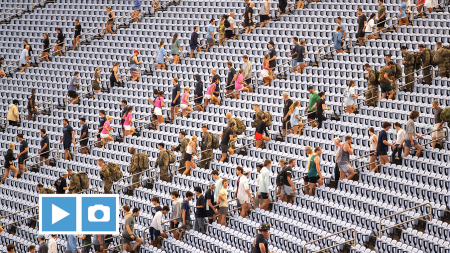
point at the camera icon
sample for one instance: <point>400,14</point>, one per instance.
<point>93,213</point>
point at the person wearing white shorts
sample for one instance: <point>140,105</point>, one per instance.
<point>106,131</point>
<point>243,193</point>
<point>438,123</point>
<point>209,93</point>
<point>158,104</point>
<point>155,5</point>
<point>185,109</point>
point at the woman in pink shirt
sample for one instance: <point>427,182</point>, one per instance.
<point>209,95</point>
<point>266,72</point>
<point>106,131</point>
<point>158,104</point>
<point>128,117</point>
<point>241,85</point>
<point>185,102</point>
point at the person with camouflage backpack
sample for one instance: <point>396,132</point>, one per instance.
<point>163,162</point>
<point>426,59</point>
<point>182,149</point>
<point>442,59</point>
<point>372,89</point>
<point>139,162</point>
<point>44,190</point>
<point>396,73</point>
<point>74,182</point>
<point>206,147</point>
<point>105,175</point>
<point>408,62</point>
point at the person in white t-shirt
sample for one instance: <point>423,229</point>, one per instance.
<point>243,193</point>
<point>401,134</point>
<point>52,246</point>
<point>156,229</point>
<point>258,197</point>
<point>370,25</point>
<point>229,31</point>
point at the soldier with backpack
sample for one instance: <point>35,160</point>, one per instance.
<point>372,89</point>
<point>109,173</point>
<point>44,190</point>
<point>182,148</point>
<point>139,162</point>
<point>206,146</point>
<point>408,62</point>
<point>74,182</point>
<point>442,59</point>
<point>395,73</point>
<point>426,57</point>
<point>163,162</point>
<point>227,137</point>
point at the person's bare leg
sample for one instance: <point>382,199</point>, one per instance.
<point>224,156</point>
<point>311,189</point>
<point>351,173</point>
<point>418,149</point>
<point>295,129</point>
<point>258,143</point>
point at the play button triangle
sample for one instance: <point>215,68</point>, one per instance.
<point>58,214</point>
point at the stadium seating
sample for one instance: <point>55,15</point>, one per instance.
<point>354,204</point>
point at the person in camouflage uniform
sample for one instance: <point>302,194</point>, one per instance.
<point>206,148</point>
<point>408,62</point>
<point>74,182</point>
<point>425,57</point>
<point>136,177</point>
<point>105,175</point>
<point>442,58</point>
<point>182,148</point>
<point>257,117</point>
<point>396,73</point>
<point>163,163</point>
<point>372,89</point>
<point>230,120</point>
<point>44,190</point>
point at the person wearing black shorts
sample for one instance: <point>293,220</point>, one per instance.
<point>231,78</point>
<point>73,88</point>
<point>84,136</point>
<point>76,37</point>
<point>44,153</point>
<point>124,105</point>
<point>67,139</point>
<point>286,115</point>
<point>227,136</point>
<point>23,155</point>
<point>32,112</point>
<point>361,32</point>
<point>381,18</point>
<point>176,99</point>
<point>102,119</point>
<point>310,153</point>
<point>211,210</point>
<point>312,112</point>
<point>264,13</point>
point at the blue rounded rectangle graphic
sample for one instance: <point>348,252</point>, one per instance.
<point>59,214</point>
<point>99,214</point>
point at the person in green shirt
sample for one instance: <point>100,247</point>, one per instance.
<point>312,101</point>
<point>314,173</point>
<point>176,48</point>
<point>381,18</point>
<point>85,240</point>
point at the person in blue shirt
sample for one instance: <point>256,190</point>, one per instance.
<point>102,119</point>
<point>160,56</point>
<point>301,56</point>
<point>45,147</point>
<point>210,35</point>
<point>337,40</point>
<point>402,16</point>
<point>67,139</point>
<point>71,244</point>
<point>24,59</point>
<point>84,136</point>
<point>186,214</point>
<point>98,241</point>
<point>344,26</point>
<point>137,10</point>
<point>73,88</point>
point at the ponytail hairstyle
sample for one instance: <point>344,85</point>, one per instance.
<point>241,71</point>
<point>97,70</point>
<point>350,84</point>
<point>295,104</point>
<point>129,109</point>
<point>161,44</point>
<point>175,37</point>
<point>192,139</point>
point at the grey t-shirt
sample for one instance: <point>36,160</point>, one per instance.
<point>263,7</point>
<point>410,129</point>
<point>129,221</point>
<point>176,210</point>
<point>437,115</point>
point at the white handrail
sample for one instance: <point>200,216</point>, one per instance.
<point>32,5</point>
<point>51,107</point>
<point>40,52</point>
<point>115,20</point>
<point>318,51</point>
<point>430,214</point>
<point>335,245</point>
<point>20,6</point>
<point>102,31</point>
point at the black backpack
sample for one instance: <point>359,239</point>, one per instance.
<point>280,177</point>
<point>226,23</point>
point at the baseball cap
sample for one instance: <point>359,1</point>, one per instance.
<point>282,160</point>
<point>308,148</point>
<point>66,173</point>
<point>41,236</point>
<point>136,51</point>
<point>309,87</point>
<point>264,227</point>
<point>211,183</point>
<point>247,170</point>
